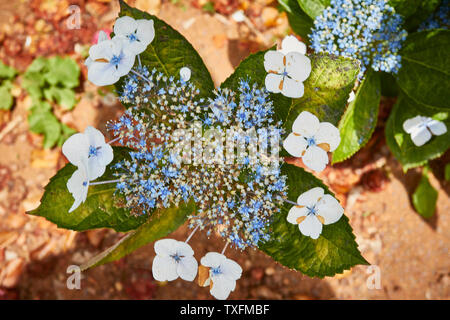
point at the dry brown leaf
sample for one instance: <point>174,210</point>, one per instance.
<point>7,238</point>
<point>44,158</point>
<point>10,273</point>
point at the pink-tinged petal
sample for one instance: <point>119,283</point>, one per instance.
<point>164,268</point>
<point>311,227</point>
<point>298,66</point>
<point>187,268</point>
<point>310,197</point>
<point>213,259</point>
<point>437,127</point>
<point>295,145</point>
<point>292,88</point>
<point>306,124</point>
<point>274,62</point>
<point>296,212</point>
<point>273,82</point>
<point>330,209</point>
<point>315,158</point>
<point>292,44</point>
<point>102,36</point>
<point>420,136</point>
<point>328,134</point>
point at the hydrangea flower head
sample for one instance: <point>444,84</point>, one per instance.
<point>367,30</point>
<point>234,199</point>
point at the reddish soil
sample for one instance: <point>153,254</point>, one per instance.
<point>411,253</point>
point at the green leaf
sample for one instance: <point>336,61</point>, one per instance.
<point>360,118</point>
<point>62,71</point>
<point>252,68</point>
<point>400,142</point>
<point>416,9</point>
<point>6,99</point>
<point>447,172</point>
<point>163,222</point>
<point>65,97</point>
<point>299,21</point>
<point>426,68</point>
<point>333,252</point>
<point>313,7</point>
<point>389,87</point>
<point>424,10</point>
<point>169,52</point>
<point>44,122</point>
<point>425,197</point>
<point>66,132</point>
<point>326,90</point>
<point>7,72</point>
<point>102,208</point>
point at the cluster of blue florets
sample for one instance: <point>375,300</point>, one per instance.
<point>367,30</point>
<point>233,199</point>
<point>440,19</point>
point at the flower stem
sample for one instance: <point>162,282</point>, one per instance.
<point>192,233</point>
<point>140,75</point>
<point>225,248</point>
<point>139,60</point>
<point>103,182</point>
<point>289,201</point>
<point>113,140</point>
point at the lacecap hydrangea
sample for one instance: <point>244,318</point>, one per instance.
<point>168,127</point>
<point>367,30</point>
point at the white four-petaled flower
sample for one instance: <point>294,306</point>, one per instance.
<point>174,259</point>
<point>91,154</point>
<point>137,33</point>
<point>220,273</point>
<point>109,60</point>
<point>286,73</point>
<point>311,140</point>
<point>292,44</point>
<point>421,129</point>
<point>89,147</point>
<point>314,208</point>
